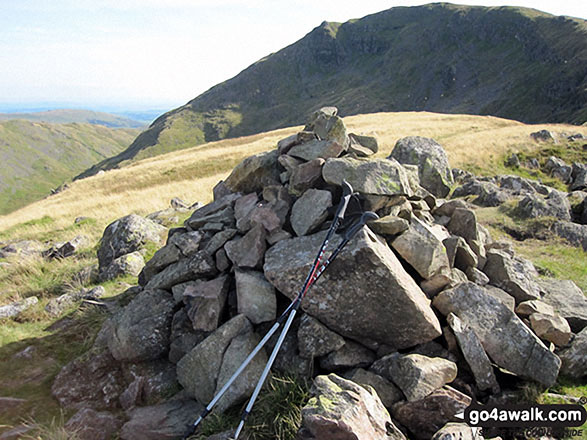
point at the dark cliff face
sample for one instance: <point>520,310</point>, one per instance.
<point>509,62</point>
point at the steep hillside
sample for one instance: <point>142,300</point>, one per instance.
<point>64,116</point>
<point>38,156</point>
<point>515,63</point>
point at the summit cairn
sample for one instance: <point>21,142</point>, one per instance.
<point>423,289</point>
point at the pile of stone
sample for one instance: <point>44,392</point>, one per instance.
<point>421,314</point>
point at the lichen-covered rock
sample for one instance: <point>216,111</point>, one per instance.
<point>16,308</point>
<point>125,235</point>
<point>378,176</point>
<point>365,294</point>
<point>341,409</point>
<point>141,331</point>
<point>433,168</point>
<point>316,150</point>
<point>505,338</point>
<point>457,431</point>
<point>128,264</point>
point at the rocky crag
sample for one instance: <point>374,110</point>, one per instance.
<point>421,315</point>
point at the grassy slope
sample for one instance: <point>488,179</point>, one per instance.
<point>66,116</point>
<point>39,156</point>
<point>510,62</point>
<point>471,141</point>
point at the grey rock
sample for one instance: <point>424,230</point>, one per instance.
<point>551,328</point>
<point>255,172</point>
<point>572,232</point>
<point>159,422</point>
<point>389,225</point>
<point>316,150</point>
<point>558,168</point>
<point>421,249</point>
<point>306,176</point>
<point>487,193</point>
<point>514,275</point>
<point>342,409</point>
<point>256,297</point>
<point>178,204</point>
<point>72,388</point>
<point>211,211</point>
<point>17,307</point>
<point>328,127</point>
<point>315,339</point>
<point>377,176</point>
<point>513,161</point>
<point>249,250</point>
<point>218,240</point>
<point>426,416</point>
<point>288,360</point>
<point>505,338</point>
<point>126,235</point>
<point>88,424</point>
<point>128,264</point>
<point>459,254</point>
<point>433,168</point>
<point>448,208</point>
<point>463,222</point>
<point>188,242</point>
<point>56,306</point>
<point>554,205</point>
<point>66,249</point>
<point>310,211</point>
<point>579,177</point>
<point>350,355</point>
<point>502,296</point>
<point>542,136</point>
<point>200,264</point>
<point>201,370</point>
<point>567,299</point>
<point>526,308</point>
<point>206,301</point>
<point>574,357</point>
<point>474,354</point>
<point>476,276</point>
<point>165,256</point>
<point>166,217</point>
<point>141,331</point>
<point>23,248</point>
<point>222,261</point>
<point>442,280</point>
<point>219,191</point>
<point>377,300</point>
<point>362,146</point>
<point>242,211</point>
<point>418,376</point>
<point>386,390</point>
<point>284,145</point>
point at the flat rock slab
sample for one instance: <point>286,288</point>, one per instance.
<point>512,274</point>
<point>255,296</point>
<point>365,294</point>
<point>310,211</point>
<point>315,339</point>
<point>341,409</point>
<point>505,338</point>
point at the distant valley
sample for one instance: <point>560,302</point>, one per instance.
<point>64,116</point>
<point>39,156</point>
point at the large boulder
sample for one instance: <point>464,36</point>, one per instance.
<point>141,331</point>
<point>574,357</point>
<point>505,338</point>
<point>433,168</point>
<point>554,205</point>
<point>125,235</point>
<point>378,176</point>
<point>341,409</point>
<point>512,274</point>
<point>365,294</point>
<point>254,173</point>
<point>208,366</point>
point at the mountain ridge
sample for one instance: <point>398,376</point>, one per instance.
<point>509,62</point>
<point>66,116</point>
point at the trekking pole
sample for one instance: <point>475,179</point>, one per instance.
<point>350,233</point>
<point>339,215</point>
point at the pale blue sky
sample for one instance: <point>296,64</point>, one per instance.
<point>146,53</point>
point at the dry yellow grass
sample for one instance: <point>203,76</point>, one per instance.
<point>148,185</point>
